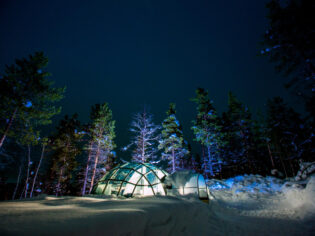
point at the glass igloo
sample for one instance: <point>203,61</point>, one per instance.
<point>186,182</point>
<point>131,179</point>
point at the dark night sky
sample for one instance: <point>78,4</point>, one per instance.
<point>131,53</point>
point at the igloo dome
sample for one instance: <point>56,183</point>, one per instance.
<point>131,179</point>
<point>186,182</point>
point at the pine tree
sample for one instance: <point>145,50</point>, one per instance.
<point>207,132</point>
<point>261,142</point>
<point>26,93</point>
<point>144,138</point>
<point>289,43</point>
<point>172,141</point>
<point>239,128</point>
<point>285,131</point>
<point>66,147</point>
<point>101,134</point>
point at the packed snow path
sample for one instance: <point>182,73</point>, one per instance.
<point>269,207</point>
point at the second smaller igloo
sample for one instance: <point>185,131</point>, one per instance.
<point>186,182</point>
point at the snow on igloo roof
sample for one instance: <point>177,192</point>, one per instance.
<point>132,179</point>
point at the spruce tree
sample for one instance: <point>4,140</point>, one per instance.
<point>66,146</point>
<point>289,43</point>
<point>240,136</point>
<point>145,138</point>
<point>172,141</point>
<point>207,132</point>
<point>286,132</point>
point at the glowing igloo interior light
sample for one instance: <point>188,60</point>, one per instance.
<point>131,179</point>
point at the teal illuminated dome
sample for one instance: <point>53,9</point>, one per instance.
<point>132,179</point>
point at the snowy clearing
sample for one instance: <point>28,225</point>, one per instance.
<point>244,205</point>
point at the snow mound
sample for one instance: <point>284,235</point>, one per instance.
<point>254,194</point>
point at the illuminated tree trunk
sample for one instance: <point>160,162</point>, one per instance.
<point>8,127</point>
<point>270,155</point>
<point>59,182</point>
<point>18,181</point>
<point>40,161</point>
<point>173,160</point>
<point>61,173</point>
<point>210,161</point>
<point>28,169</point>
<point>94,168</point>
<point>142,154</point>
<point>87,169</point>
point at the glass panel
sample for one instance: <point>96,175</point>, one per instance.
<point>158,189</point>
<point>143,181</point>
<point>201,182</point>
<point>113,176</point>
<point>192,182</point>
<point>128,189</point>
<point>147,191</point>
<point>122,188</point>
<point>113,187</point>
<point>150,166</point>
<point>131,165</point>
<point>138,190</point>
<point>159,173</point>
<point>152,178</point>
<point>143,191</point>
<point>122,173</point>
<point>142,169</point>
<point>133,177</point>
<point>190,191</point>
<point>100,188</point>
<point>105,175</point>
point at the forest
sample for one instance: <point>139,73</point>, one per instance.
<point>70,159</point>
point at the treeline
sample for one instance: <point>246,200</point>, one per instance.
<point>73,158</point>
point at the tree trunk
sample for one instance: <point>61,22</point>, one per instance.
<point>40,161</point>
<point>270,155</point>
<point>282,163</point>
<point>210,161</point>
<point>18,181</point>
<point>292,168</point>
<point>8,127</point>
<point>87,169</point>
<point>143,159</point>
<point>94,169</point>
<point>59,182</point>
<point>28,169</point>
<point>173,161</point>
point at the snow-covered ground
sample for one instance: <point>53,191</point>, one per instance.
<point>244,205</point>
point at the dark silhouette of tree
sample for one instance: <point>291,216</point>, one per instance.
<point>27,95</point>
<point>66,147</point>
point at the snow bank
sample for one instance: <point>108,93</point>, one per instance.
<point>268,196</point>
<point>275,206</point>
